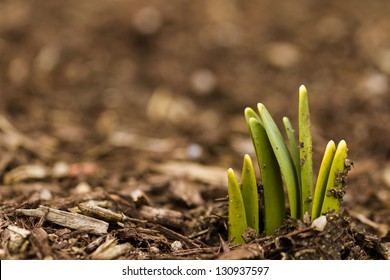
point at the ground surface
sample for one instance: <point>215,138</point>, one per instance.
<point>139,105</point>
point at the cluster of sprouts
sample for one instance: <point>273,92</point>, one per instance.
<point>286,163</point>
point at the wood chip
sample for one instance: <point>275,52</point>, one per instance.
<point>91,208</point>
<point>244,252</point>
<point>110,250</point>
<point>40,241</point>
<point>162,216</point>
<point>67,219</point>
<point>95,244</point>
<point>178,237</point>
<point>209,251</point>
<point>141,235</point>
<point>187,191</point>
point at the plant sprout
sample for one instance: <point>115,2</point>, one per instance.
<point>289,165</point>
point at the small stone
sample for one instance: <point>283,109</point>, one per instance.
<point>319,223</point>
<point>176,246</point>
<point>154,250</point>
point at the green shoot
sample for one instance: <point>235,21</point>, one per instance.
<point>336,181</point>
<point>293,165</point>
<point>322,180</point>
<point>284,159</point>
<point>237,219</point>
<point>274,210</point>
<point>306,153</point>
<point>249,194</point>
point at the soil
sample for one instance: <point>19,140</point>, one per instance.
<point>132,111</point>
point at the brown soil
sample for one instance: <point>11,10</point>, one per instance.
<point>137,108</point>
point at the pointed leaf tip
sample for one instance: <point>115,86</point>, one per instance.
<point>236,211</point>
<point>249,194</point>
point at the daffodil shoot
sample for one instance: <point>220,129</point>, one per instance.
<point>285,163</point>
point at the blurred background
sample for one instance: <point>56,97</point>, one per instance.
<point>180,73</point>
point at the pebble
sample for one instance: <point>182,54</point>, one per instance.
<point>319,223</point>
<point>176,246</point>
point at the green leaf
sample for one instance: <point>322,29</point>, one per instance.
<point>322,179</point>
<point>306,152</point>
<point>284,159</point>
<point>249,194</point>
<point>236,211</point>
<point>274,209</point>
<point>293,147</point>
<point>336,181</point>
